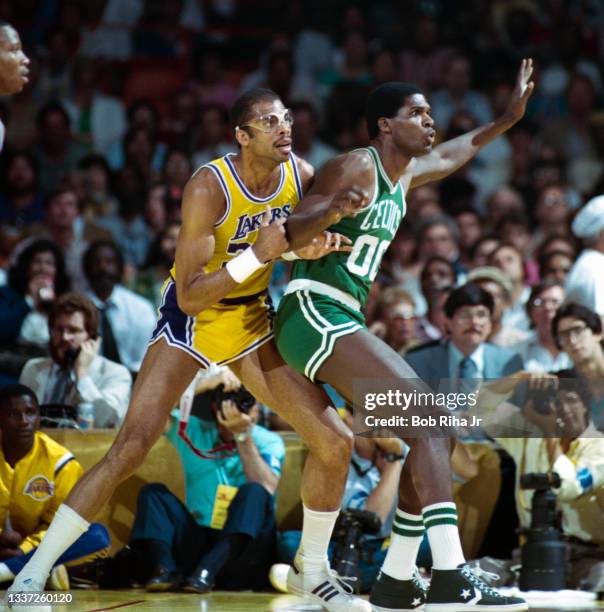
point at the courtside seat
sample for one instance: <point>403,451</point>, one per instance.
<point>475,499</point>
<point>163,465</point>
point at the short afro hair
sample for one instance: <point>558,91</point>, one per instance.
<point>384,101</point>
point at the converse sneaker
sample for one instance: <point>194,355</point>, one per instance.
<point>391,595</point>
<point>326,589</point>
<point>463,589</point>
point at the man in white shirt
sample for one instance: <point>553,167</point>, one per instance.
<point>585,282</point>
<point>126,319</point>
<point>75,373</point>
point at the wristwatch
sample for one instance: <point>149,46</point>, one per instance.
<point>241,437</point>
<point>392,457</point>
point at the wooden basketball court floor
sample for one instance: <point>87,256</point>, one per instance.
<point>219,601</point>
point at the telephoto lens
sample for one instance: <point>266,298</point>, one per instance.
<point>543,555</point>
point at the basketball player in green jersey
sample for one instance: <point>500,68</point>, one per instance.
<point>320,330</point>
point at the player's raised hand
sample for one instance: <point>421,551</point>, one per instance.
<point>272,239</point>
<point>348,202</point>
<point>522,91</point>
<point>323,244</point>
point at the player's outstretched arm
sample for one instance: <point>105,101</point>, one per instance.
<point>452,154</point>
<point>203,204</point>
<point>339,190</point>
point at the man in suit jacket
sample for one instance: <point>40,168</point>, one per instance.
<point>75,373</point>
<point>467,354</point>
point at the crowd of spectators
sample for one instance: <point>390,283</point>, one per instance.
<point>127,99</point>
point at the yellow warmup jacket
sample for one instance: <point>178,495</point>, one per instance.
<point>32,491</point>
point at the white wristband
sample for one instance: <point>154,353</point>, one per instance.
<point>290,256</point>
<point>244,265</point>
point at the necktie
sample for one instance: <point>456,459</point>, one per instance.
<point>61,387</point>
<point>109,346</point>
<point>467,369</point>
<point>468,375</point>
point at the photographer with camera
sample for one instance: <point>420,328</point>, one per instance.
<point>559,482</point>
<point>75,374</point>
<point>225,534</point>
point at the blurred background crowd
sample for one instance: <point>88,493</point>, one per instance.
<point>127,98</point>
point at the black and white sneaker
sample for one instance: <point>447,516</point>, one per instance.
<point>326,589</point>
<point>391,595</point>
<point>463,589</point>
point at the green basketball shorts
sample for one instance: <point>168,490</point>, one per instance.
<point>307,327</point>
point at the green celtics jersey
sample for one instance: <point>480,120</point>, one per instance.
<point>371,232</point>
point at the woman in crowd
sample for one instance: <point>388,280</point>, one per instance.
<point>35,280</point>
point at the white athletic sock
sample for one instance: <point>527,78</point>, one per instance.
<point>316,533</point>
<point>440,521</point>
<point>66,527</point>
<point>5,573</point>
<point>407,534</point>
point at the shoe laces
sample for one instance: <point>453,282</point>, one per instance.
<point>418,581</point>
<point>479,577</point>
<point>341,581</point>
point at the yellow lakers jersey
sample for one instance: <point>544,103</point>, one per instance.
<point>32,491</point>
<point>238,227</point>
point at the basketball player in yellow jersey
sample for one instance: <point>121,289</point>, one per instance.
<point>215,309</point>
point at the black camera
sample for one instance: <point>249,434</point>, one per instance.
<point>543,399</point>
<point>242,398</point>
<point>351,526</point>
<point>543,555</point>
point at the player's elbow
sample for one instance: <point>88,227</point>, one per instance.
<point>186,303</point>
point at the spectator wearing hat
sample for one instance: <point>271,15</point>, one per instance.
<point>585,282</point>
<point>493,281</point>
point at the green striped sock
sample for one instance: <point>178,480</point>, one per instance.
<point>440,514</point>
<point>440,521</point>
<point>410,525</point>
<point>407,534</point>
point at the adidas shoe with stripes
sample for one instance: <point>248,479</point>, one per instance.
<point>326,589</point>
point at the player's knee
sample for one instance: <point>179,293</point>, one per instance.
<point>336,447</point>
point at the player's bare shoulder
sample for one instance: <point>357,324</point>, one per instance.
<point>346,170</point>
<point>203,196</point>
<point>307,173</point>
